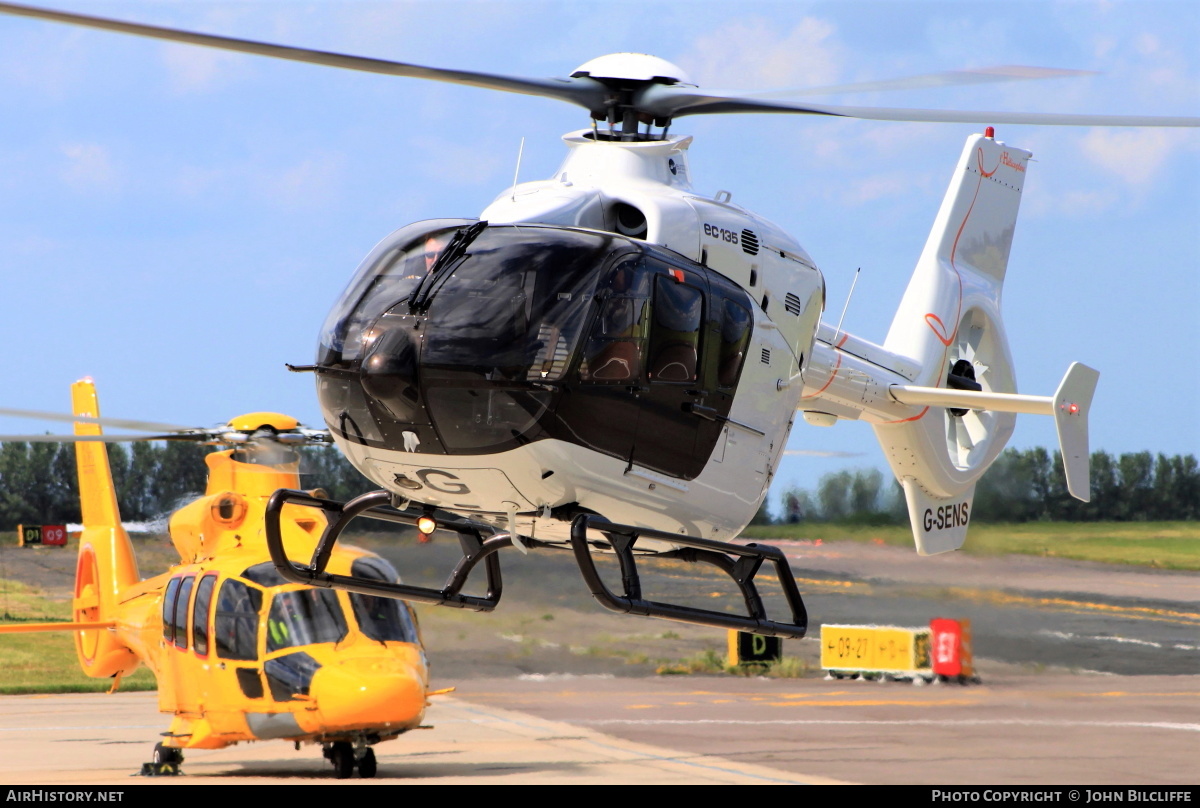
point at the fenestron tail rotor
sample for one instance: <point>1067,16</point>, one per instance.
<point>632,89</point>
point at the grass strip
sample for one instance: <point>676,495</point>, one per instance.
<point>1159,545</point>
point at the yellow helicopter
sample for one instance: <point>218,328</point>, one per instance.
<point>239,653</point>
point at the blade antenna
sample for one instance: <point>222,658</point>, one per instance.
<point>838,332</point>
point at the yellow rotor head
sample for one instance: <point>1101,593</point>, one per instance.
<point>256,420</point>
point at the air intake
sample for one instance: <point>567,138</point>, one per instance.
<point>766,356</point>
<point>749,242</point>
<point>792,304</point>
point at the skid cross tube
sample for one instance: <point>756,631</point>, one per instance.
<point>377,505</point>
<point>741,567</point>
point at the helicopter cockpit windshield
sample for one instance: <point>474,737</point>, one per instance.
<point>297,617</point>
<point>520,333</point>
<point>304,617</point>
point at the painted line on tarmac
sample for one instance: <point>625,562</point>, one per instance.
<point>1008,722</point>
<point>1066,635</point>
<point>1079,606</point>
<point>624,750</point>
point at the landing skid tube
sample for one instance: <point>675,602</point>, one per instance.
<point>377,505</point>
<point>746,561</point>
<point>481,543</point>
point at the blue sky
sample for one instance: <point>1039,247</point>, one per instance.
<point>176,222</point>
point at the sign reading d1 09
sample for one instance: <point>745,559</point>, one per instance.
<point>49,535</point>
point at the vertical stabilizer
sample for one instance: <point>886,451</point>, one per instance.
<point>949,322</point>
<point>106,562</point>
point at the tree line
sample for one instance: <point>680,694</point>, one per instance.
<point>38,482</point>
<point>38,485</point>
<point>1021,486</point>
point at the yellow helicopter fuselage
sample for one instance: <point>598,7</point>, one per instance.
<point>239,653</point>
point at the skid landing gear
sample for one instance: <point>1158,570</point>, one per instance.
<point>739,562</point>
<point>589,533</point>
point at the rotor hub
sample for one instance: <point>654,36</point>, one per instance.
<point>631,67</point>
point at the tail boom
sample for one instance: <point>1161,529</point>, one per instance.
<point>940,392</point>
<point>106,565</point>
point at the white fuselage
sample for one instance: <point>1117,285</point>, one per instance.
<point>787,290</point>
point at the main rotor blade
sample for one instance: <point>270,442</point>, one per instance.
<point>120,423</point>
<point>97,438</point>
<point>585,92</point>
<point>948,78</point>
<point>821,453</point>
<point>676,101</point>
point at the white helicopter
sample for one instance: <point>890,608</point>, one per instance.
<point>608,360</point>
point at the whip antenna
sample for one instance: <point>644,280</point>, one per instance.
<point>838,332</point>
<point>517,173</point>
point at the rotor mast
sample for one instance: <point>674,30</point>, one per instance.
<point>626,77</point>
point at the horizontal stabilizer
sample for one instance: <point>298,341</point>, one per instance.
<point>1069,405</point>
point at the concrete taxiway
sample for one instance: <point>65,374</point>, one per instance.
<point>1014,729</point>
<point>99,740</point>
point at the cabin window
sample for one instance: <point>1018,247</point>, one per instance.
<point>618,338</point>
<point>168,610</point>
<point>675,337</point>
<point>304,617</point>
<point>265,574</point>
<point>391,273</point>
<point>380,618</point>
<point>290,675</point>
<point>735,338</point>
<point>200,613</point>
<point>514,309</point>
<point>236,622</point>
<point>180,621</point>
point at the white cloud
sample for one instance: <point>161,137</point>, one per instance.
<point>1147,44</point>
<point>88,166</point>
<point>1136,156</point>
<point>458,164</point>
<point>314,182</point>
<point>877,186</point>
<point>191,69</point>
<point>195,181</point>
<point>1086,203</point>
<point>756,55</point>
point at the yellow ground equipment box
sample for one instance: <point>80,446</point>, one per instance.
<point>875,649</point>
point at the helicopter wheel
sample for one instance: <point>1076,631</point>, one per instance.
<point>167,754</point>
<point>366,765</point>
<point>341,755</point>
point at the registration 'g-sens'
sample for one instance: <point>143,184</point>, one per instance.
<point>946,516</point>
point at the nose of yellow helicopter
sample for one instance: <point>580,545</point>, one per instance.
<point>369,693</point>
